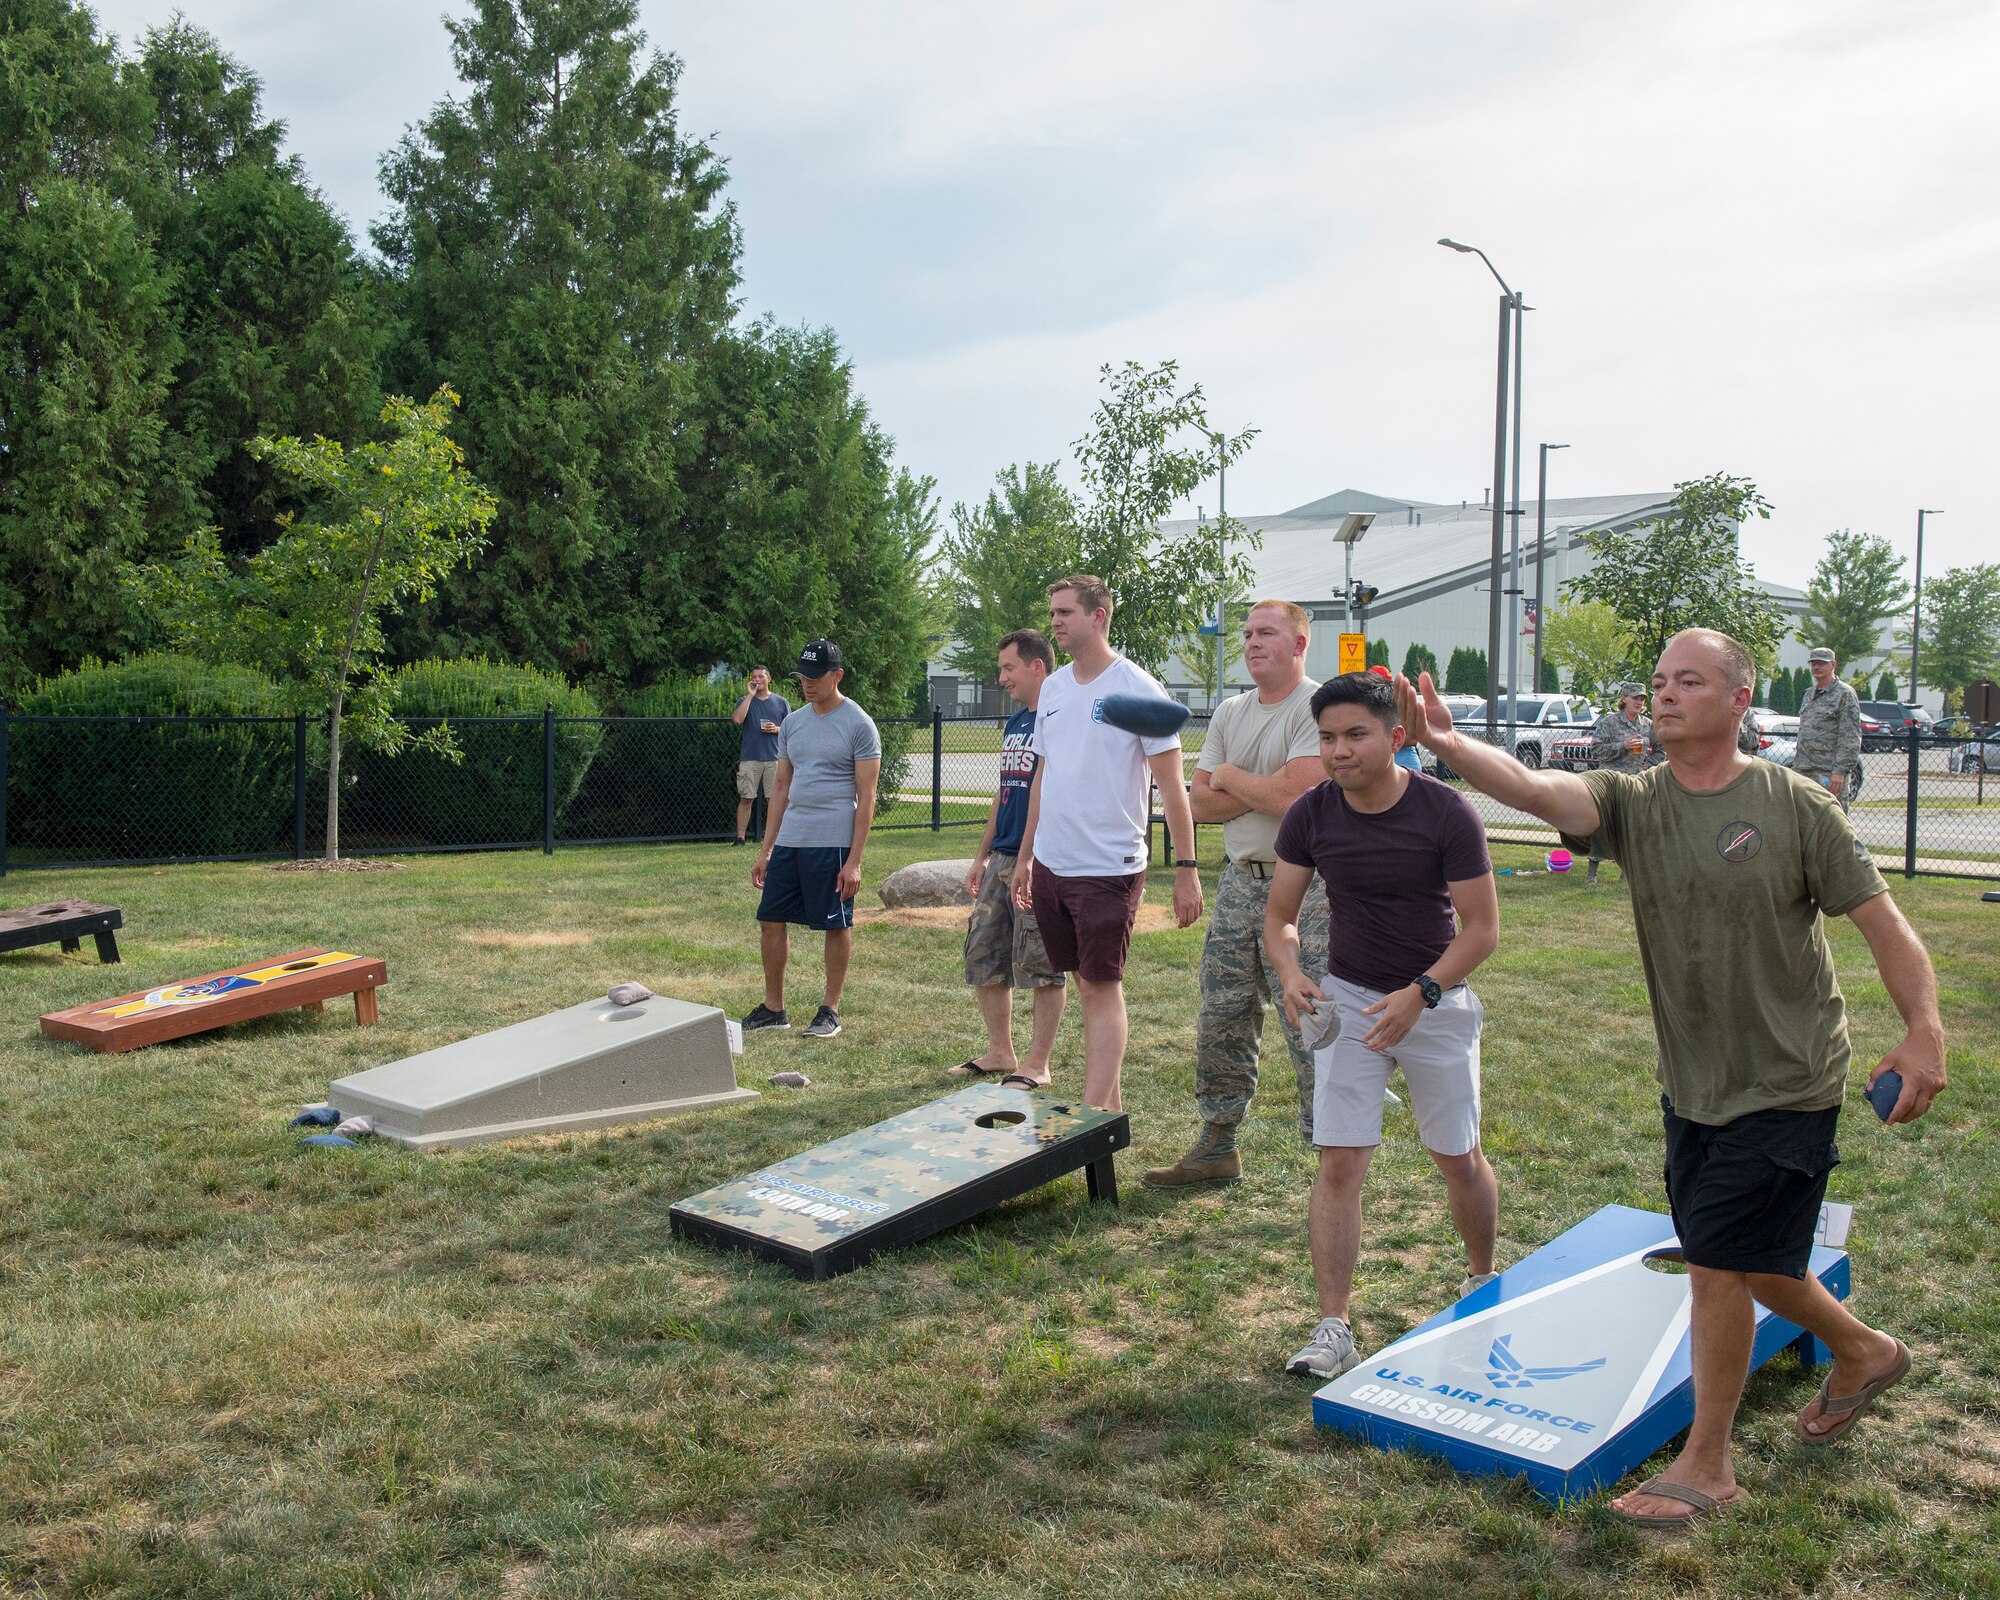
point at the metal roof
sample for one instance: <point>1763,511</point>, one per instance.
<point>1406,559</point>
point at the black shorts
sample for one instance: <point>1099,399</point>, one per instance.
<point>802,885</point>
<point>1746,1195</point>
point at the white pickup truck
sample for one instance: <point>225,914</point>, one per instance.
<point>1545,719</point>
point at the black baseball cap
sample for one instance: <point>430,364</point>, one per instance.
<point>818,659</point>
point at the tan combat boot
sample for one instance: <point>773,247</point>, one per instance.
<point>1205,1163</point>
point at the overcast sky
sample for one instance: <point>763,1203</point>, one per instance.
<point>1761,236</point>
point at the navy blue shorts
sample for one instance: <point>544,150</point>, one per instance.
<point>802,885</point>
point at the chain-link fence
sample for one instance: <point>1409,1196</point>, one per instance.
<point>136,790</point>
<point>1922,805</point>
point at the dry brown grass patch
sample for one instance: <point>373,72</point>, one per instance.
<point>498,939</point>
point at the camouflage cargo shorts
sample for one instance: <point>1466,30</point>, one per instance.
<point>1003,945</point>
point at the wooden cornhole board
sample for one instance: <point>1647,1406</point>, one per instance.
<point>305,978</point>
<point>67,921</point>
<point>831,1208</point>
<point>1570,1369</point>
<point>586,1066</point>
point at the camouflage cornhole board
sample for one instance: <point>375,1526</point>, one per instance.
<point>829,1209</point>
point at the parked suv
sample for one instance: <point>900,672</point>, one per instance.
<point>1892,725</point>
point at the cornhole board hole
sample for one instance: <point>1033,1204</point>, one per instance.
<point>832,1208</point>
<point>586,1066</point>
<point>305,978</point>
<point>1571,1368</point>
<point>66,921</point>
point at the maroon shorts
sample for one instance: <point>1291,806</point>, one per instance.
<point>1086,923</point>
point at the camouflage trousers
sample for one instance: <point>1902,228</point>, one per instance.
<point>1237,983</point>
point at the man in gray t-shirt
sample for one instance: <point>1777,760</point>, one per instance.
<point>829,759</point>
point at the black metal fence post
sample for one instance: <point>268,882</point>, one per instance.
<point>298,786</point>
<point>3,788</point>
<point>1910,812</point>
<point>548,780</point>
<point>937,769</point>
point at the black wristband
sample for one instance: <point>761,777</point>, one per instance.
<point>1186,863</point>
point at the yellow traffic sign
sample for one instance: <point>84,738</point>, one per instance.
<point>1354,652</point>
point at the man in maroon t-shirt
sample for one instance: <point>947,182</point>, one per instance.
<point>1399,853</point>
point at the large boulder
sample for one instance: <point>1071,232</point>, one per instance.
<point>927,883</point>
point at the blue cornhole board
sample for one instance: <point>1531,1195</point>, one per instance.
<point>1571,1368</point>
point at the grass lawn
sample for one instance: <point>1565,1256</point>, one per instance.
<point>232,1367</point>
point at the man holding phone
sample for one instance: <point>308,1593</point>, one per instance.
<point>760,714</point>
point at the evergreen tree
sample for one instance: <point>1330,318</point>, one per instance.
<point>87,342</point>
<point>279,334</point>
<point>1418,658</point>
<point>1378,652</point>
<point>1551,683</point>
<point>792,526</point>
<point>1466,672</point>
<point>1886,689</point>
<point>1757,691</point>
<point>568,264</point>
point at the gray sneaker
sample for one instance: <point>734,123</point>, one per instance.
<point>1329,1352</point>
<point>824,1025</point>
<point>762,1016</point>
<point>1474,1282</point>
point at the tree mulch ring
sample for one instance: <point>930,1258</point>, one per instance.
<point>344,864</point>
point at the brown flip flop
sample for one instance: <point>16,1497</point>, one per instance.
<point>1848,1409</point>
<point>1702,1506</point>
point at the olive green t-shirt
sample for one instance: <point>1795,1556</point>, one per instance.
<point>1728,889</point>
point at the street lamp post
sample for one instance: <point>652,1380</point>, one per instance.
<point>1541,553</point>
<point>1917,601</point>
<point>1221,441</point>
<point>1509,303</point>
<point>1348,535</point>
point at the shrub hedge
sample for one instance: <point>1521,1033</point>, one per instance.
<point>133,789</point>
<point>491,791</point>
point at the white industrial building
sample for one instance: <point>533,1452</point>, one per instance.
<point>1429,563</point>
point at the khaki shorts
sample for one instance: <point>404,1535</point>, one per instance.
<point>755,776</point>
<point>1440,1061</point>
<point>1003,945</point>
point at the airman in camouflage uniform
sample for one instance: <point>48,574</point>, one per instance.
<point>1260,754</point>
<point>1829,749</point>
<point>1621,741</point>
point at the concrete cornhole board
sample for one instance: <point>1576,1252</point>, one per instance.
<point>1571,1369</point>
<point>587,1066</point>
<point>67,922</point>
<point>907,1177</point>
<point>306,979</point>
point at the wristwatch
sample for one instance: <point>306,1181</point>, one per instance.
<point>1185,862</point>
<point>1427,986</point>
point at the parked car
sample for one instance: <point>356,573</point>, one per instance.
<point>1891,725</point>
<point>1777,736</point>
<point>1976,755</point>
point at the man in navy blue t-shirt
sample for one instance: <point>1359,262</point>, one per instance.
<point>1003,946</point>
<point>1413,910</point>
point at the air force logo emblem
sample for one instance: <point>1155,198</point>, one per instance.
<point>1504,1369</point>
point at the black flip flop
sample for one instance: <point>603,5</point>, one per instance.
<point>968,1069</point>
<point>1020,1080</point>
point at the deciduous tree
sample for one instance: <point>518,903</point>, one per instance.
<point>1592,643</point>
<point>1857,586</point>
<point>387,522</point>
<point>1685,571</point>
<point>1961,641</point>
<point>1147,449</point>
<point>999,559</point>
